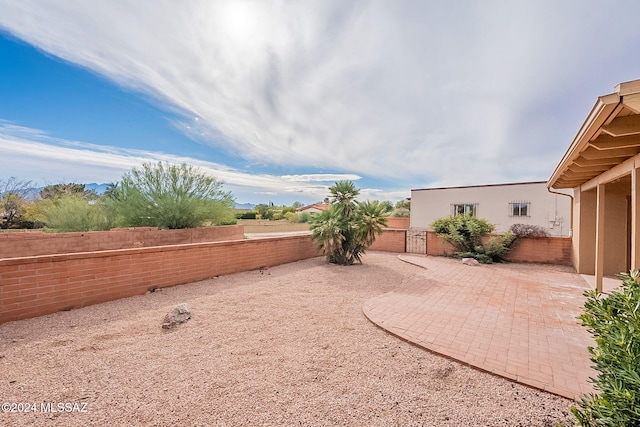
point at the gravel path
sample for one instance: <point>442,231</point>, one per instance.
<point>287,346</point>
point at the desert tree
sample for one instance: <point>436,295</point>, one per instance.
<point>54,191</point>
<point>170,196</point>
<point>14,199</point>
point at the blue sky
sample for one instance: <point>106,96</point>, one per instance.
<point>279,99</point>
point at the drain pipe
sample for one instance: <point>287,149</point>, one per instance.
<point>571,211</point>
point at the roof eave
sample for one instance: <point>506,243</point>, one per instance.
<point>601,111</point>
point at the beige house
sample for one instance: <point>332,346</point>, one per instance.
<point>601,167</point>
<point>313,209</point>
<point>501,205</point>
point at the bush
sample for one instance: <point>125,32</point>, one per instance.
<point>73,213</point>
<point>171,196</point>
<point>247,215</point>
<point>304,217</point>
<point>527,230</point>
<point>464,232</point>
<point>614,322</point>
<point>497,247</point>
<point>401,213</point>
<point>292,217</point>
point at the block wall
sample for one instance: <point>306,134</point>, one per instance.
<point>398,222</point>
<point>22,244</point>
<point>39,285</point>
<point>546,250</point>
<point>391,240</point>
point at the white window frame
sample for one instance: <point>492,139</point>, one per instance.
<point>516,208</point>
<point>470,209</point>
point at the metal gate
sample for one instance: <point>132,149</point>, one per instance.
<point>416,241</point>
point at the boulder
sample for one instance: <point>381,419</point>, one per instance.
<point>177,316</point>
<point>470,261</point>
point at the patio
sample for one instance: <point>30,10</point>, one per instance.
<point>517,321</point>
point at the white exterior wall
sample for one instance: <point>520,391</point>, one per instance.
<point>311,211</point>
<point>546,209</point>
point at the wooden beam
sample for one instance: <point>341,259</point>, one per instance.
<point>632,102</point>
<point>599,273</point>
<point>621,153</point>
<point>588,168</point>
<point>623,126</point>
<point>627,88</point>
<point>574,174</point>
<point>581,161</point>
<point>608,142</point>
<point>635,219</point>
<point>569,183</point>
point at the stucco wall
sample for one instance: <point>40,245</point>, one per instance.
<point>427,205</point>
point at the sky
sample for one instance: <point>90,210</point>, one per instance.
<point>280,99</point>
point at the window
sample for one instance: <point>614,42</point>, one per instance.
<point>465,209</point>
<point>519,208</point>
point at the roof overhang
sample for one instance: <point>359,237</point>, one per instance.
<point>609,136</point>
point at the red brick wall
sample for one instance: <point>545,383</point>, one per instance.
<point>391,240</point>
<point>548,250</point>
<point>436,246</point>
<point>38,285</point>
<point>398,222</point>
<point>38,243</point>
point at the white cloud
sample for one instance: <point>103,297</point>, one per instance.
<point>28,153</point>
<point>447,92</point>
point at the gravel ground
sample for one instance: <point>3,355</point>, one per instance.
<point>286,346</point>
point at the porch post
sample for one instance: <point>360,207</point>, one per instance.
<point>635,219</point>
<point>599,270</point>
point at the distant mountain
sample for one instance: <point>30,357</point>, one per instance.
<point>243,206</point>
<point>98,188</point>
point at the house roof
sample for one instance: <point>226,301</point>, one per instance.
<point>609,136</point>
<point>319,206</point>
<point>480,185</point>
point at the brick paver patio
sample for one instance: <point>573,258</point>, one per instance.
<point>514,320</point>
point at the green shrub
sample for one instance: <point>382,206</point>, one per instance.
<point>614,321</point>
<point>292,217</point>
<point>401,213</point>
<point>304,217</point>
<point>247,215</point>
<point>497,247</point>
<point>171,196</point>
<point>465,233</point>
<point>74,213</point>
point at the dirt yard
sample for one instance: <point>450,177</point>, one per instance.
<point>285,346</point>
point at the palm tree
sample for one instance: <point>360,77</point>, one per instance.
<point>344,231</point>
